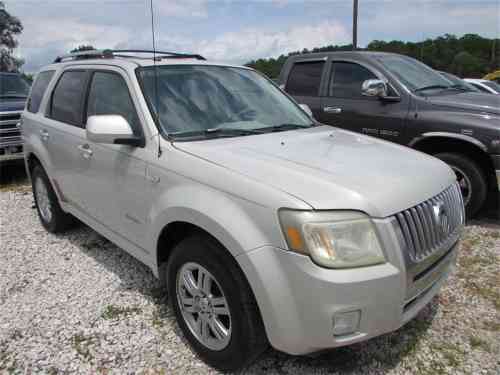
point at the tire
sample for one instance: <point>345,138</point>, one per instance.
<point>468,173</point>
<point>56,220</point>
<point>247,338</point>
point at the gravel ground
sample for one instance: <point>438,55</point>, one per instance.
<point>75,303</point>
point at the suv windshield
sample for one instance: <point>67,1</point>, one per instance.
<point>417,77</point>
<point>212,101</point>
<point>13,85</point>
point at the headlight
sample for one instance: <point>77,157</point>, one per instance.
<point>333,239</point>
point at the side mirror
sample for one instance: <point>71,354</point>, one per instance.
<point>306,109</point>
<point>374,88</point>
<point>113,129</point>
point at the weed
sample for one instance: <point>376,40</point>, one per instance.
<point>115,312</point>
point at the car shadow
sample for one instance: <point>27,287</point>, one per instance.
<point>384,352</point>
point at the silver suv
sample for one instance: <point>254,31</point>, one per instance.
<point>266,226</point>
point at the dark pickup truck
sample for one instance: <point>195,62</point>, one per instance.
<point>13,94</point>
<point>399,99</point>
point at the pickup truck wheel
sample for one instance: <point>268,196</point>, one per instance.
<point>53,218</point>
<point>471,180</point>
<point>214,305</point>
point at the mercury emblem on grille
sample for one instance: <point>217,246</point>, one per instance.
<point>441,217</point>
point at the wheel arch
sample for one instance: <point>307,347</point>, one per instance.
<point>439,142</point>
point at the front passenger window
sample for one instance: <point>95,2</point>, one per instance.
<point>347,78</point>
<point>109,95</point>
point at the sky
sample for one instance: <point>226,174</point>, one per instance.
<point>237,31</point>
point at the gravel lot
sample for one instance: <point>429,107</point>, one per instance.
<point>75,303</point>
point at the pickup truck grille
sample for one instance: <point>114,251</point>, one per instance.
<point>10,135</point>
<point>429,225</point>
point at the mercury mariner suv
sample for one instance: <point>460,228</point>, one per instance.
<point>265,226</point>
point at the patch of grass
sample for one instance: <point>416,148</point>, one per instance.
<point>81,344</point>
<point>158,320</point>
<point>479,343</point>
<point>114,312</point>
<point>491,326</point>
<point>452,353</point>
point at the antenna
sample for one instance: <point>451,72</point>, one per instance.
<point>155,77</point>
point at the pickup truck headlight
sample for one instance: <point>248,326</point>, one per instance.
<point>333,239</point>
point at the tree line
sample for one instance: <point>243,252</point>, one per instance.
<point>470,56</point>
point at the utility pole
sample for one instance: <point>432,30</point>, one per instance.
<point>355,25</point>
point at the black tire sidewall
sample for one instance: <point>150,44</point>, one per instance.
<point>201,250</point>
<point>476,176</point>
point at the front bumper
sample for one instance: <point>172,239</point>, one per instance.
<point>299,300</point>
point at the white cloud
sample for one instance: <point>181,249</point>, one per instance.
<point>182,8</point>
<point>68,33</point>
<point>248,44</point>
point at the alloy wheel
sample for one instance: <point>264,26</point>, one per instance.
<point>203,306</point>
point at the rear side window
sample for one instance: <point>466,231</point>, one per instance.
<point>346,80</point>
<point>109,95</point>
<point>67,99</point>
<point>38,90</point>
<point>305,78</point>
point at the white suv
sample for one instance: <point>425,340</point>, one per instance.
<point>265,226</point>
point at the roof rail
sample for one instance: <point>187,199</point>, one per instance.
<point>109,54</point>
<point>84,55</point>
<point>159,54</point>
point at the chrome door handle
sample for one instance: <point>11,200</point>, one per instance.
<point>85,151</point>
<point>332,110</point>
<point>44,134</point>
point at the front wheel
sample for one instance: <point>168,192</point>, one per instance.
<point>213,304</point>
<point>471,179</point>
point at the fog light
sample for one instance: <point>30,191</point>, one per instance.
<point>345,323</point>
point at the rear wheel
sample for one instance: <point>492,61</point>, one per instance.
<point>53,218</point>
<point>213,304</point>
<point>471,179</point>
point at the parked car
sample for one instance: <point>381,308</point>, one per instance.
<point>459,82</point>
<point>483,85</point>
<point>401,100</point>
<point>493,76</point>
<point>265,226</point>
<point>13,94</point>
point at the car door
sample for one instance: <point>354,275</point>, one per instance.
<point>304,83</point>
<point>62,132</point>
<point>345,106</point>
<point>113,185</point>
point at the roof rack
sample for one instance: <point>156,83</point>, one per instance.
<point>109,54</point>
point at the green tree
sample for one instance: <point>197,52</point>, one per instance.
<point>470,55</point>
<point>82,48</point>
<point>10,27</point>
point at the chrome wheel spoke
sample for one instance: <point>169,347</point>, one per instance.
<point>219,330</point>
<point>190,283</point>
<point>204,281</point>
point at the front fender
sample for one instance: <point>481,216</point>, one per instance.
<point>238,224</point>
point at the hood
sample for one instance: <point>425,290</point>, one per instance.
<point>329,168</point>
<point>469,101</point>
<point>10,105</point>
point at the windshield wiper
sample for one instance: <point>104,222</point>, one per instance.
<point>215,132</point>
<point>285,126</point>
<point>460,87</point>
<point>431,87</point>
<point>13,96</point>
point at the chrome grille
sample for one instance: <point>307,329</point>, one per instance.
<point>10,134</point>
<point>427,226</point>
